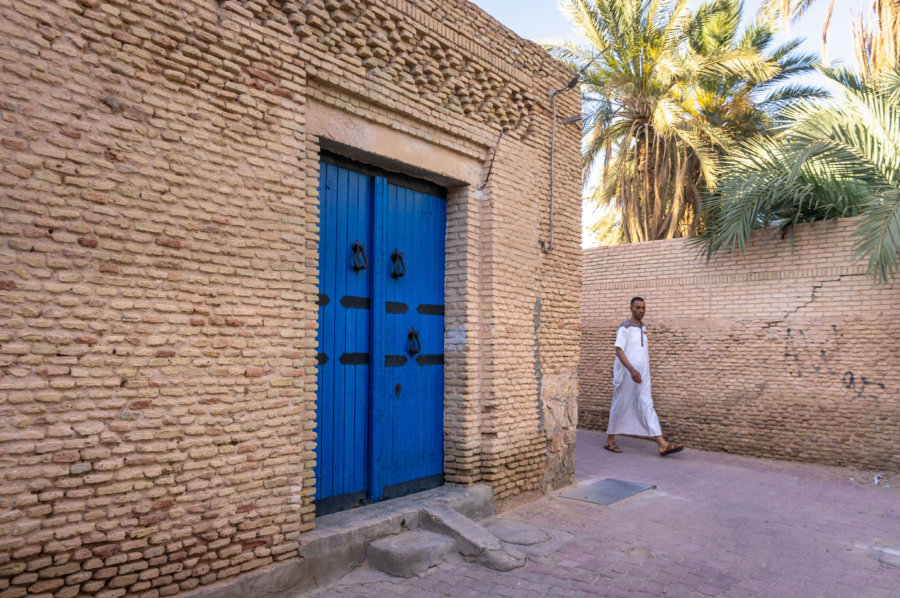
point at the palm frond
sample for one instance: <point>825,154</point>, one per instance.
<point>790,94</point>
<point>878,236</point>
<point>830,161</point>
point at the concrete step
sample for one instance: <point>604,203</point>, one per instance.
<point>401,537</point>
<point>472,540</point>
<point>340,541</point>
<point>410,553</point>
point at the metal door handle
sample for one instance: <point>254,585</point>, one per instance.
<point>359,253</point>
<point>414,345</point>
<point>397,257</point>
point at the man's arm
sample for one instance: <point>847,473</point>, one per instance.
<point>635,375</point>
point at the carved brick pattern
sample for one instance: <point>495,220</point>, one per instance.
<point>426,67</point>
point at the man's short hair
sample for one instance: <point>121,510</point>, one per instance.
<point>633,299</point>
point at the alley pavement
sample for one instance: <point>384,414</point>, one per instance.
<point>716,525</point>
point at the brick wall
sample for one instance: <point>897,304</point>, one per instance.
<point>158,268</point>
<point>786,351</point>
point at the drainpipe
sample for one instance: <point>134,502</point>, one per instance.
<point>547,247</point>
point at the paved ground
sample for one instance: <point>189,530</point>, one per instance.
<point>717,525</point>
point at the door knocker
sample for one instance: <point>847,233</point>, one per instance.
<point>360,261</point>
<point>414,345</point>
<point>399,266</point>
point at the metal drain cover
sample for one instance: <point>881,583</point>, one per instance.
<point>606,492</point>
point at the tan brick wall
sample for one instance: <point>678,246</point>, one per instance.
<point>158,252</point>
<point>786,351</point>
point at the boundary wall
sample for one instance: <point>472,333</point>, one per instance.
<point>786,351</point>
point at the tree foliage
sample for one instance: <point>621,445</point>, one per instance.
<point>666,93</point>
<point>829,160</point>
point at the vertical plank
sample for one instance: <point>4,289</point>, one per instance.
<point>340,329</point>
<point>325,335</point>
<point>378,410</point>
<point>363,338</point>
<point>423,407</point>
<point>351,396</point>
<point>439,249</point>
<point>356,335</point>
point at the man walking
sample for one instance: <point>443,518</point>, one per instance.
<point>632,409</point>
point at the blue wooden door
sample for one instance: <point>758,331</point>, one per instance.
<point>381,330</point>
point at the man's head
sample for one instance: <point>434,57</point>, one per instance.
<point>638,308</point>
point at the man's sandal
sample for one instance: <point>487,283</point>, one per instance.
<point>612,447</point>
<point>670,449</point>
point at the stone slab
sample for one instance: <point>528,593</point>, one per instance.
<point>409,553</point>
<point>514,532</point>
<point>472,539</point>
<point>528,539</point>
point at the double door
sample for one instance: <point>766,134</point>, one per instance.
<point>380,338</point>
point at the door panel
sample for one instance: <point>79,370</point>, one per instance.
<point>343,335</point>
<point>408,416</point>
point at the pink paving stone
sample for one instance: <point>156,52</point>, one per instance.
<point>717,525</point>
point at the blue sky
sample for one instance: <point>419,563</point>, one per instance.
<point>543,21</point>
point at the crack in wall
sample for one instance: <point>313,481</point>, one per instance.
<point>813,296</point>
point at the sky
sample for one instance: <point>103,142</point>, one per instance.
<point>544,21</point>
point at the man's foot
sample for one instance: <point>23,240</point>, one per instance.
<point>670,449</point>
<point>612,447</point>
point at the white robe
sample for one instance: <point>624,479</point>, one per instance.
<point>632,409</point>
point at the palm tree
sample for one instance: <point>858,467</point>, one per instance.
<point>736,105</point>
<point>876,35</point>
<point>644,68</point>
<point>877,40</point>
<point>830,160</point>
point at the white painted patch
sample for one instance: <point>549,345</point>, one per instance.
<point>455,339</point>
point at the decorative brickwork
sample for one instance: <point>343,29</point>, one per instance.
<point>786,351</point>
<point>158,255</point>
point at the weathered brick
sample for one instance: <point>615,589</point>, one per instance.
<point>160,256</point>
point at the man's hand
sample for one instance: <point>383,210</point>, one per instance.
<point>635,375</point>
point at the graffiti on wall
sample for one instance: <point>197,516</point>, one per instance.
<point>861,388</point>
<point>803,355</point>
<point>808,356</point>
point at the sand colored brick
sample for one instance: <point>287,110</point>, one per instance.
<point>785,351</point>
<point>158,268</point>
